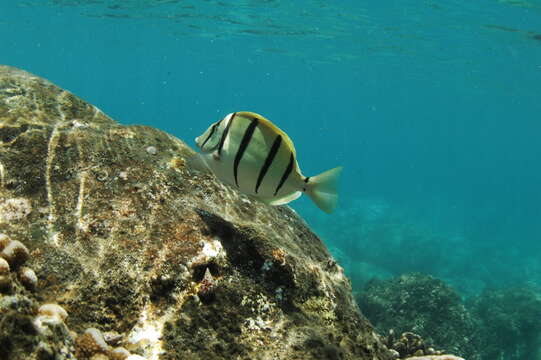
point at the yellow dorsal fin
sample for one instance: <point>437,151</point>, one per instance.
<point>276,129</point>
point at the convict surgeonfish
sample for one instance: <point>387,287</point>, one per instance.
<point>250,153</point>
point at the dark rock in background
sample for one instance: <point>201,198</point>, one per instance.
<point>147,256</point>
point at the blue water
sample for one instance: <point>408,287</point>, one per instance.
<point>432,107</point>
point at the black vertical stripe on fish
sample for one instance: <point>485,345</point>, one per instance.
<point>210,134</point>
<point>306,179</point>
<point>285,175</point>
<point>268,161</point>
<point>242,147</point>
<point>224,135</point>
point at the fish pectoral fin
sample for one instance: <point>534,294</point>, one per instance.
<point>198,162</point>
<point>284,199</point>
<point>216,155</point>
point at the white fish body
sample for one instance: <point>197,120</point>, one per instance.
<point>250,153</point>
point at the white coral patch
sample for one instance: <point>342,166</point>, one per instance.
<point>257,324</point>
<point>211,250</point>
<point>78,124</point>
<point>152,150</point>
<point>147,334</point>
<point>135,357</point>
<point>14,209</point>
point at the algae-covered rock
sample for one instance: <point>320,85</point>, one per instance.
<point>148,257</point>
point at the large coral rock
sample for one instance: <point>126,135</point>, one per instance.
<point>147,254</point>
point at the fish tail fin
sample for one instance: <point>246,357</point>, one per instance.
<point>323,189</point>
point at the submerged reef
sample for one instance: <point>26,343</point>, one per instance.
<point>383,242</point>
<point>113,248</point>
<point>511,321</point>
<point>423,305</point>
<point>429,314</point>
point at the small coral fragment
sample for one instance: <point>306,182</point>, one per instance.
<point>100,356</point>
<point>4,266</point>
<point>14,209</point>
<point>119,353</point>
<point>53,311</point>
<point>206,287</point>
<point>28,278</point>
<point>112,338</point>
<point>98,338</point>
<point>177,163</point>
<point>49,315</point>
<point>4,241</point>
<point>15,253</point>
<point>279,255</point>
<point>135,357</point>
<point>90,343</point>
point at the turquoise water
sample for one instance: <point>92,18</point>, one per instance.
<point>432,107</point>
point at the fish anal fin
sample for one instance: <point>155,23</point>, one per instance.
<point>285,199</point>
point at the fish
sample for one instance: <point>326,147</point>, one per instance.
<point>248,152</point>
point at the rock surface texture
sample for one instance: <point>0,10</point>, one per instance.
<point>116,249</point>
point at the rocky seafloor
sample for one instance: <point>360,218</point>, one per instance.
<point>112,247</point>
<point>494,324</point>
